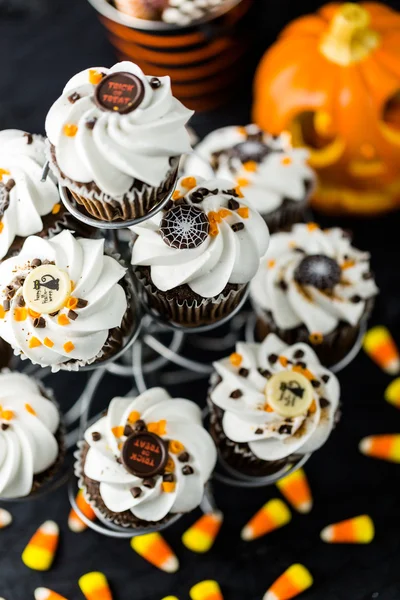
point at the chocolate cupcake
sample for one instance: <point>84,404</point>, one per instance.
<point>5,354</point>
<point>115,137</point>
<point>61,304</point>
<point>146,461</point>
<point>275,177</point>
<point>270,404</point>
<point>31,436</point>
<point>313,286</point>
<point>195,259</point>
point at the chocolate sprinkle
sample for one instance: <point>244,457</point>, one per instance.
<point>231,192</point>
<point>6,305</point>
<point>81,303</point>
<point>319,271</point>
<point>128,430</point>
<point>155,83</point>
<point>237,227</point>
<point>184,226</point>
<point>323,402</point>
<point>367,276</point>
<point>96,436</point>
<point>325,378</point>
<point>265,373</point>
<point>136,492</point>
<point>4,426</point>
<point>355,299</point>
<point>233,204</point>
<point>74,97</point>
<point>258,431</point>
<point>54,314</point>
<point>273,358</point>
<point>236,394</point>
<point>184,457</point>
<point>72,315</point>
<point>21,301</point>
<point>139,425</point>
<point>10,184</point>
<point>90,123</point>
<point>301,364</point>
<point>285,429</point>
<point>282,285</point>
<point>29,138</point>
<point>298,354</point>
<point>244,372</point>
<point>39,323</point>
<point>169,477</point>
<point>315,383</point>
<point>187,470</point>
<point>36,262</point>
<point>149,482</point>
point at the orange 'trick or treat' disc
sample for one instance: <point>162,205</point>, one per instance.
<point>153,548</point>
<point>74,522</point>
<point>5,518</point>
<point>295,489</point>
<point>40,551</point>
<point>94,586</point>
<point>294,581</point>
<point>206,590</point>
<point>380,346</point>
<point>201,535</point>
<point>46,594</point>
<point>271,516</point>
<point>385,447</point>
<point>359,530</point>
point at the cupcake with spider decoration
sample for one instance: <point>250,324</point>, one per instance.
<point>313,286</point>
<point>146,461</point>
<point>271,404</point>
<point>195,259</point>
<point>116,136</point>
<point>64,303</point>
<point>275,177</point>
<point>31,436</point>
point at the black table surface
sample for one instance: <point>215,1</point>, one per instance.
<point>42,44</point>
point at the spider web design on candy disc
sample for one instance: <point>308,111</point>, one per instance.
<point>184,226</point>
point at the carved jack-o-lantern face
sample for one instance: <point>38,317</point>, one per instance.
<point>333,80</point>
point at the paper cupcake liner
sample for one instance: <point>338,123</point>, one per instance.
<point>290,211</point>
<point>192,313</point>
<point>91,492</point>
<point>136,203</point>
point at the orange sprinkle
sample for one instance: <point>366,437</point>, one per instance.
<point>313,407</point>
<point>94,76</point>
<point>271,263</point>
<point>170,466</point>
<point>241,130</point>
<point>168,486</point>
<point>72,286</point>
<point>68,347</point>
<point>268,408</point>
<point>71,302</point>
<point>286,161</point>
<point>176,195</point>
<point>312,226</point>
<point>239,192</point>
<point>33,313</point>
<point>20,314</point>
<point>7,415</point>
<point>63,320</point>
<point>34,342</point>
<point>236,359</point>
<point>47,342</point>
<point>70,130</point>
<point>213,231</point>
<point>176,447</point>
<point>243,211</point>
<point>348,264</point>
<point>2,312</point>
<point>223,213</point>
<point>242,182</point>
<point>159,427</point>
<point>4,172</point>
<point>1,226</point>
<point>250,165</point>
<point>316,338</point>
<point>56,209</point>
<point>133,416</point>
<point>30,410</point>
<point>189,182</point>
<point>118,431</point>
<point>214,216</point>
<point>283,360</point>
<point>120,445</point>
<point>305,372</point>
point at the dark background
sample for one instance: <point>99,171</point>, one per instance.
<point>42,44</point>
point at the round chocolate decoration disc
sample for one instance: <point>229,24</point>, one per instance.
<point>319,271</point>
<point>289,393</point>
<point>119,92</point>
<point>184,226</point>
<point>46,289</point>
<point>144,454</point>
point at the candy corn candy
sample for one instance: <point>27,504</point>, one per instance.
<point>39,553</point>
<point>295,580</point>
<point>206,590</point>
<point>359,530</point>
<point>170,598</point>
<point>5,519</point>
<point>295,489</point>
<point>94,586</point>
<point>272,515</point>
<point>386,447</point>
<point>153,548</point>
<point>201,535</point>
<point>392,393</point>
<point>379,345</point>
<point>46,594</point>
<point>74,522</point>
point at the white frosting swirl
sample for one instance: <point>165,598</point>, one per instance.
<point>22,158</point>
<point>27,442</point>
<point>120,147</point>
<point>281,174</point>
<point>292,304</point>
<point>245,415</point>
<point>227,257</point>
<point>183,424</point>
<point>95,279</point>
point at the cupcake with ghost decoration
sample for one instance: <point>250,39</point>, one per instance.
<point>31,436</point>
<point>274,177</point>
<point>64,303</point>
<point>146,461</point>
<point>271,404</point>
<point>195,259</point>
<point>116,136</point>
<point>313,286</point>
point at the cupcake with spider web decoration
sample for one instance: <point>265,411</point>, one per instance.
<point>195,259</point>
<point>274,176</point>
<point>313,286</point>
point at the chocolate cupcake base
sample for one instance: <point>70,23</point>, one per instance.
<point>289,213</point>
<point>91,490</point>
<point>43,478</point>
<point>183,306</point>
<point>5,354</point>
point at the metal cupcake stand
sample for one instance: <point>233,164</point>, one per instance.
<point>153,344</point>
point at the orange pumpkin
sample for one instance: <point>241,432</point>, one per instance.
<point>333,80</point>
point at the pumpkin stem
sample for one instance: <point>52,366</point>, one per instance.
<point>349,38</point>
